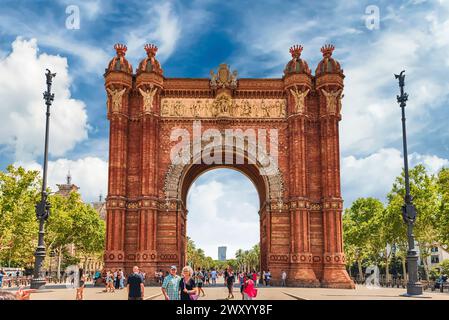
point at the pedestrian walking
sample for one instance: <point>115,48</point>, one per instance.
<point>187,287</point>
<point>206,277</point>
<point>161,276</point>
<point>116,280</point>
<point>80,287</point>
<point>254,277</point>
<point>121,275</point>
<point>135,285</point>
<point>213,275</point>
<point>199,277</point>
<point>170,286</point>
<point>283,278</point>
<point>242,283</point>
<point>267,278</point>
<point>109,281</point>
<point>249,291</point>
<point>229,280</point>
<point>2,274</point>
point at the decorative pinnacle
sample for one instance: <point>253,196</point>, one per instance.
<point>296,50</point>
<point>121,49</point>
<point>327,50</point>
<point>151,49</point>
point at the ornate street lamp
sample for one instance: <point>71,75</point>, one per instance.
<point>414,287</point>
<point>43,207</point>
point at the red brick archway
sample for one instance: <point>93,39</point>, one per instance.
<point>300,201</point>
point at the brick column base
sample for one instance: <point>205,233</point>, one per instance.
<point>336,278</point>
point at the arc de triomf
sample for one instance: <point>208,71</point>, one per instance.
<point>300,202</point>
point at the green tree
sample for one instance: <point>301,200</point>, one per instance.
<point>247,260</point>
<point>361,231</point>
<point>19,193</point>
<point>444,267</point>
<point>73,222</point>
<point>424,190</point>
<point>443,218</point>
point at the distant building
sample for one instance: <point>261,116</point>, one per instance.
<point>91,263</point>
<point>65,189</point>
<point>222,253</point>
<point>100,206</point>
<point>437,255</point>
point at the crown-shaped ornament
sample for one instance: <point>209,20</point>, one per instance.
<point>327,50</point>
<point>120,49</point>
<point>151,49</point>
<point>296,50</point>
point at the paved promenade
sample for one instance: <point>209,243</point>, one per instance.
<point>60,292</point>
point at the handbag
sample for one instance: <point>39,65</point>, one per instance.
<point>192,296</point>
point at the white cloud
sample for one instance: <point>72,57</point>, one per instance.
<point>161,28</point>
<point>373,175</point>
<point>170,25</point>
<point>371,116</point>
<point>90,174</point>
<point>22,125</point>
<point>223,210</point>
<point>52,32</point>
<point>431,162</point>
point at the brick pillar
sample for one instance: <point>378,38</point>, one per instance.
<point>149,150</point>
<point>116,200</point>
<point>301,271</point>
<point>334,271</point>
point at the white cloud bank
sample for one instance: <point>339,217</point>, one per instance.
<point>90,174</point>
<point>22,121</point>
<point>22,108</point>
<point>162,28</point>
<point>373,176</point>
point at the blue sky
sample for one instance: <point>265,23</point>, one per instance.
<point>253,37</point>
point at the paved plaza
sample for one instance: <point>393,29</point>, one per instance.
<point>219,292</point>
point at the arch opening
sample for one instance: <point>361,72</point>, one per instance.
<point>223,204</point>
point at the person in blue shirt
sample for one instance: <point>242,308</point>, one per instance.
<point>2,274</point>
<point>213,275</point>
<point>242,283</point>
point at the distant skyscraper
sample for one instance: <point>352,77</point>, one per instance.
<point>222,253</point>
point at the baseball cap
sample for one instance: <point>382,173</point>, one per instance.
<point>173,267</point>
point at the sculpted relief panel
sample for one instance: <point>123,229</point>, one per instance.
<point>223,106</point>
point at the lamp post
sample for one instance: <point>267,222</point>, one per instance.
<point>414,287</point>
<point>43,207</point>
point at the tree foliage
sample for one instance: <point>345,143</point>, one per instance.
<point>71,221</point>
<point>372,232</point>
<point>245,260</point>
<point>19,192</point>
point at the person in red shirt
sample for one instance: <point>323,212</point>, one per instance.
<point>249,291</point>
<point>255,277</point>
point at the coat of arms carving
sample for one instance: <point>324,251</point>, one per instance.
<point>223,78</point>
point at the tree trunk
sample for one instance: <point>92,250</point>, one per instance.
<point>387,271</point>
<point>59,264</point>
<point>359,264</point>
<point>426,266</point>
<point>404,269</point>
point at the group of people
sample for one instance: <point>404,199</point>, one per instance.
<point>189,286</point>
<point>201,276</point>
<point>114,280</point>
<point>247,281</point>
